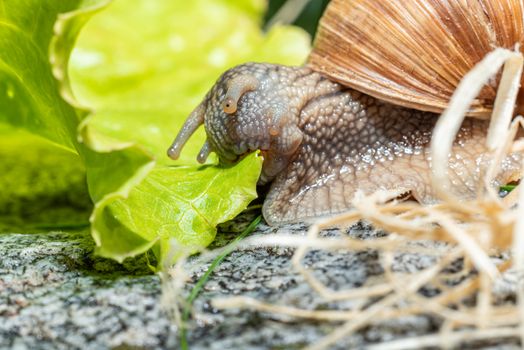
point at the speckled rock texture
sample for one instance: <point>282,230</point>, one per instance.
<point>55,294</point>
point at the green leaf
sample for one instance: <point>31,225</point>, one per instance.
<point>42,185</point>
<point>507,188</point>
<point>184,204</point>
<point>29,97</point>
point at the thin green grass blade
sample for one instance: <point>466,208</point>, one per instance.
<point>202,281</point>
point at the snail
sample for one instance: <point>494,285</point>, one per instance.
<point>359,115</point>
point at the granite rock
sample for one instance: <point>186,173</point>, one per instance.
<point>55,294</point>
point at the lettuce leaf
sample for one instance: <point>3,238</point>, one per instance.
<point>42,183</point>
<point>29,97</point>
<point>182,204</point>
<point>43,186</point>
<point>117,90</point>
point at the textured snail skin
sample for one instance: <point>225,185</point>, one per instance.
<point>267,118</point>
<point>323,142</point>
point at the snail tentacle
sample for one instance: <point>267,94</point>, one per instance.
<point>195,119</point>
<point>204,153</point>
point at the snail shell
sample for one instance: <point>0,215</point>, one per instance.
<point>413,53</point>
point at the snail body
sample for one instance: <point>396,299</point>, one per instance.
<point>324,137</point>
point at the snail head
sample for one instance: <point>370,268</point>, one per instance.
<point>244,111</point>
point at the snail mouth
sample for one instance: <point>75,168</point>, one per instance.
<point>241,156</point>
<point>229,158</point>
<point>233,158</point>
<point>225,156</point>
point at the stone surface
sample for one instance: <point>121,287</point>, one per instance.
<point>54,294</point>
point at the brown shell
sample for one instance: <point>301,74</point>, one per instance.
<point>413,53</point>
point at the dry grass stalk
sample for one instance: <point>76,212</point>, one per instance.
<point>446,340</point>
<point>173,280</point>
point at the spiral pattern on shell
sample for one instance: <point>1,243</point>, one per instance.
<point>414,53</point>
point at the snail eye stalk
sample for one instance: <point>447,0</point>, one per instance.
<point>237,87</point>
